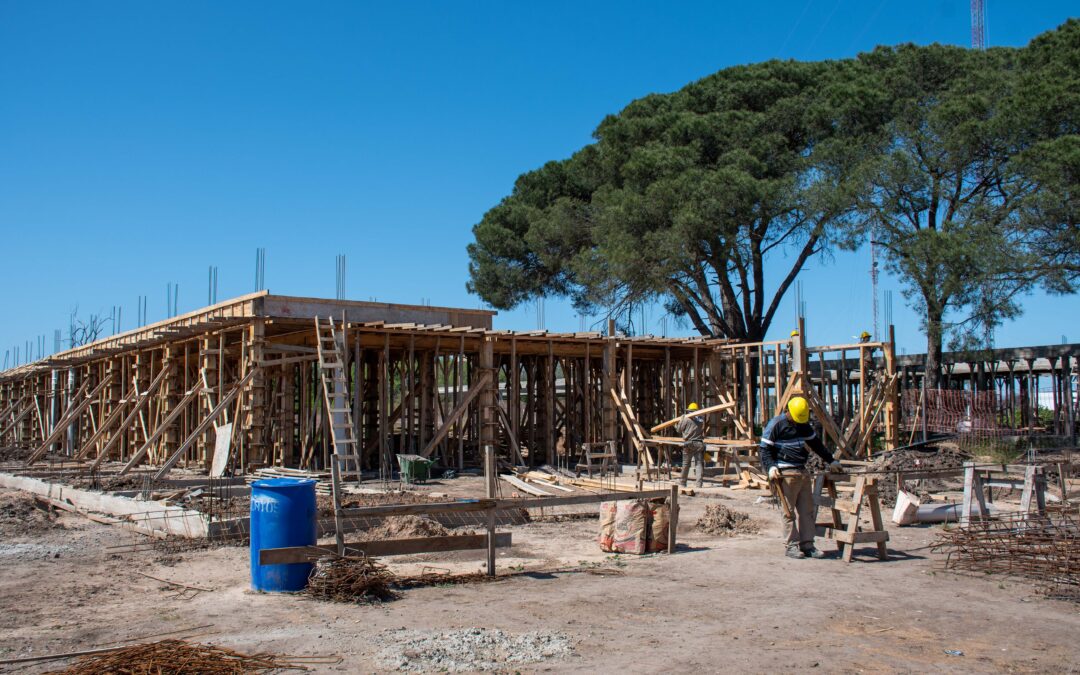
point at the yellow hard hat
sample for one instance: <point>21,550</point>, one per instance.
<point>798,409</point>
<point>864,335</point>
<point>795,333</point>
<point>692,406</point>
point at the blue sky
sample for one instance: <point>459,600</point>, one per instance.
<point>142,142</point>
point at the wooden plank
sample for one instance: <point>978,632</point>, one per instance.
<point>730,405</point>
<point>421,509</point>
<point>503,504</point>
<point>457,412</point>
<point>525,487</point>
<point>846,537</point>
<point>457,542</point>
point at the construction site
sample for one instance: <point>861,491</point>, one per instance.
<point>456,464</point>
<point>696,479</point>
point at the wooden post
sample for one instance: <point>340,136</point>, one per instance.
<point>489,480</point>
<point>673,519</point>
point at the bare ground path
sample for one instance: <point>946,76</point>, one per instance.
<point>720,604</point>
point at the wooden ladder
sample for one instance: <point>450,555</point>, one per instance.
<point>335,386</point>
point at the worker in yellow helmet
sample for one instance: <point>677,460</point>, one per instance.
<point>785,445</point>
<point>692,429</point>
<point>795,333</point>
<point>866,361</point>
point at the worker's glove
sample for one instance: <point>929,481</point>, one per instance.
<point>836,467</point>
<point>774,473</point>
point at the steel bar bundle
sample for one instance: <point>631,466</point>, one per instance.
<point>177,656</point>
<point>1043,549</point>
<point>351,579</point>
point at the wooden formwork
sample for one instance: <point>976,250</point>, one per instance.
<point>438,382</point>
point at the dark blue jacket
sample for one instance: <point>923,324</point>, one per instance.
<point>784,441</point>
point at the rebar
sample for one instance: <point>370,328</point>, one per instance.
<point>168,657</point>
<point>1044,549</point>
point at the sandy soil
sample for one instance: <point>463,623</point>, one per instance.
<point>720,604</point>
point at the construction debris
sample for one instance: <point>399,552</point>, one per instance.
<point>169,657</point>
<point>1041,549</point>
<point>719,519</point>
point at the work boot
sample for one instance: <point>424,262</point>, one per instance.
<point>793,552</point>
<point>812,552</point>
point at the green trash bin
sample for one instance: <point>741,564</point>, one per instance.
<point>414,468</point>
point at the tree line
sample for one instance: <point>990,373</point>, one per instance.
<point>964,166</point>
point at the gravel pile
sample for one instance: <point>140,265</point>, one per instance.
<point>719,519</point>
<point>468,650</point>
<point>27,552</point>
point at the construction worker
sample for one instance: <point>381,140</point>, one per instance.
<point>693,433</point>
<point>866,364</point>
<point>785,445</point>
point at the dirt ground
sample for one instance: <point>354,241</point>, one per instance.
<point>722,603</point>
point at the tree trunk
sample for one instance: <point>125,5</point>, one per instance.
<point>932,368</point>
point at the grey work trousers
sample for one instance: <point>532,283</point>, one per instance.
<point>798,490</point>
<point>693,453</point>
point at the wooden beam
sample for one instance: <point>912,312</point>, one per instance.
<point>69,416</point>
<point>509,428</point>
<point>474,391</point>
<point>89,444</point>
<point>457,542</point>
<point>697,413</point>
<point>135,410</point>
<point>205,424</point>
<point>161,428</point>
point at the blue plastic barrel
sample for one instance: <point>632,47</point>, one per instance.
<point>282,514</point>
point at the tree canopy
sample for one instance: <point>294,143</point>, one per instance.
<point>684,197</point>
<point>963,163</point>
<point>967,184</point>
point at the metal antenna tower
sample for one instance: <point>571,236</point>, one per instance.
<point>978,24</point>
<point>874,280</point>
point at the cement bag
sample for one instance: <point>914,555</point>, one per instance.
<point>607,525</point>
<point>659,518</point>
<point>630,533</point>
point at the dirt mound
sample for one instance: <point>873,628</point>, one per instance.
<point>19,515</point>
<point>326,502</point>
<point>945,456</point>
<point>13,454</point>
<point>719,519</point>
<point>406,527</point>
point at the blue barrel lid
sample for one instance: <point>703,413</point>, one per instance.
<point>283,482</point>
